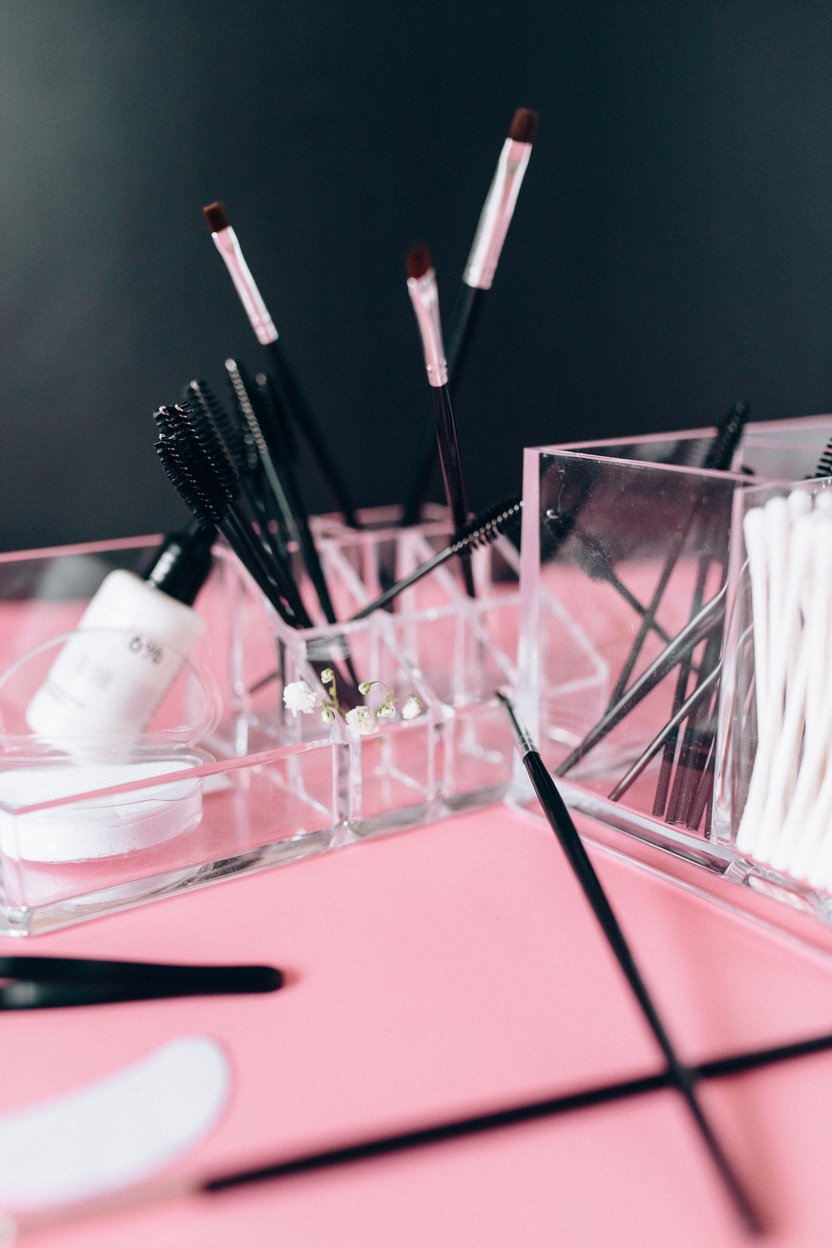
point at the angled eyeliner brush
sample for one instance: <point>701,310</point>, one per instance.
<point>492,228</point>
<point>290,393</point>
<point>424,295</point>
<point>682,1077</point>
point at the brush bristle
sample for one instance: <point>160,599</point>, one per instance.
<point>524,126</point>
<point>489,525</point>
<point>418,263</point>
<point>215,217</point>
<point>824,468</point>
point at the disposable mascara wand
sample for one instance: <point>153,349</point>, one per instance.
<point>290,394</point>
<point>424,294</point>
<point>483,259</point>
<point>683,1077</point>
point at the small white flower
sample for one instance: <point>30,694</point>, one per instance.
<point>386,711</point>
<point>361,720</point>
<point>365,687</point>
<point>297,696</point>
<point>327,676</point>
<point>328,715</point>
<point>411,708</point>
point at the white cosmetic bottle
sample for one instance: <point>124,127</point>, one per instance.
<point>133,639</point>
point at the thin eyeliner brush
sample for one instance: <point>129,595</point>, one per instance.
<point>293,516</point>
<point>477,278</point>
<point>424,295</point>
<point>290,392</point>
<point>694,631</point>
<point>682,1077</point>
<point>719,456</point>
<point>483,529</point>
<point>157,1192</point>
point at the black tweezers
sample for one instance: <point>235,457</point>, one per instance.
<point>37,983</point>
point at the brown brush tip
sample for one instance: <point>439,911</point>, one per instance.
<point>418,262</point>
<point>524,126</point>
<point>215,217</point>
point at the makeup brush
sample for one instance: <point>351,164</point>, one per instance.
<point>282,484</point>
<point>477,278</point>
<point>718,457</point>
<point>289,391</point>
<point>37,983</point>
<point>685,641</point>
<point>484,529</point>
<point>424,295</point>
<point>198,466</point>
<point>682,1077</point>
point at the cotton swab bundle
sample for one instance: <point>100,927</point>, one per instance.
<point>786,820</point>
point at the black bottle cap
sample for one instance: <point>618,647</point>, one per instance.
<point>182,563</point>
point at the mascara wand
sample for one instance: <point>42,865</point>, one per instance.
<point>290,394</point>
<point>424,295</point>
<point>492,228</point>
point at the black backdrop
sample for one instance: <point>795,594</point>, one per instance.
<point>671,250</point>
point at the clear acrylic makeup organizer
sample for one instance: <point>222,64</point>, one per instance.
<point>242,784</point>
<point>643,501</point>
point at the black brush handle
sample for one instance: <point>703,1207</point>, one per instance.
<point>449,461</point>
<point>700,626</point>
<point>464,320</point>
<point>54,982</point>
<point>683,1078</point>
<point>294,400</point>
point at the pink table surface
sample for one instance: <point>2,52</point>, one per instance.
<point>445,970</point>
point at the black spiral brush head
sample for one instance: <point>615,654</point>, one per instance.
<point>727,439</point>
<point>824,467</point>
<point>488,525</point>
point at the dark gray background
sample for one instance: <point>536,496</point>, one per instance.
<point>671,250</point>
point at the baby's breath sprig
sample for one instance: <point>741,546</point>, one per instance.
<point>301,699</point>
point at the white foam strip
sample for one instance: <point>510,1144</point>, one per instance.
<point>116,1131</point>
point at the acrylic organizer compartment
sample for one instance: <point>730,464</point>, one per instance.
<point>773,800</point>
<point>180,804</point>
<point>646,516</point>
<point>436,645</point>
<point>637,547</point>
<point>223,779</point>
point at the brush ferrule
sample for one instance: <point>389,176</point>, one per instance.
<point>424,295</point>
<point>496,214</point>
<point>261,322</point>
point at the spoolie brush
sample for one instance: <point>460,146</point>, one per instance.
<point>484,529</point>
<point>481,531</point>
<point>208,483</point>
<point>424,294</point>
<point>492,228</point>
<point>290,394</point>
